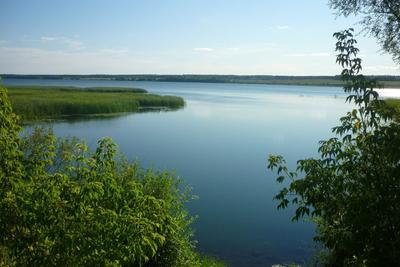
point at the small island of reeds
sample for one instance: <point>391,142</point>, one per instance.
<point>54,102</point>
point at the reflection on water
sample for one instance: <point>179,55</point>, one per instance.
<point>219,144</point>
<point>103,116</point>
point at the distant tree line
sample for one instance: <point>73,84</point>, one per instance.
<point>215,78</point>
<point>171,78</point>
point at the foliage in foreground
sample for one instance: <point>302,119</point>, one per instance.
<point>32,102</point>
<point>62,205</point>
<point>352,191</point>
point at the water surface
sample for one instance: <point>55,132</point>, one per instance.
<point>219,144</point>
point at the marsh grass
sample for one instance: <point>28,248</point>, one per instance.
<point>210,261</point>
<point>394,103</point>
<point>36,103</point>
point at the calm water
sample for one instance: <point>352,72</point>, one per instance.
<point>219,144</point>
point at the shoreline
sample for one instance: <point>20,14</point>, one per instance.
<point>328,81</point>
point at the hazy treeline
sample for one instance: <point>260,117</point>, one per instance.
<point>386,80</point>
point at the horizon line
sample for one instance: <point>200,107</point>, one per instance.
<point>182,74</point>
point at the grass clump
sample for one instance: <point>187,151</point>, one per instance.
<point>394,104</point>
<point>210,261</point>
<point>33,102</point>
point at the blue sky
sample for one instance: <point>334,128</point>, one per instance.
<point>286,37</point>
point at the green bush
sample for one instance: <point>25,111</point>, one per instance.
<point>63,205</point>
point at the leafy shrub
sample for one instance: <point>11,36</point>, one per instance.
<point>352,191</point>
<point>61,204</point>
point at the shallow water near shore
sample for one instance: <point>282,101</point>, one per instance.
<point>219,144</point>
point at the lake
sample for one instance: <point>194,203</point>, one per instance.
<point>219,144</point>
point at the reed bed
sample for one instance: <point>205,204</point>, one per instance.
<point>35,103</point>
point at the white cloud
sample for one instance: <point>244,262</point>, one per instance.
<point>203,49</point>
<point>279,27</point>
<point>47,39</point>
<point>322,54</point>
<point>71,43</point>
<point>74,44</point>
<point>253,48</point>
<point>233,49</point>
<point>282,27</point>
<point>114,51</point>
<point>296,55</point>
<point>22,60</point>
<point>119,60</point>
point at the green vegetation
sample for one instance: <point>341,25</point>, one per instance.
<point>394,103</point>
<point>208,261</point>
<point>32,102</point>
<point>63,205</point>
<point>108,89</point>
<point>352,191</point>
<point>386,80</point>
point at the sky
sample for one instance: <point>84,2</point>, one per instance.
<point>285,37</point>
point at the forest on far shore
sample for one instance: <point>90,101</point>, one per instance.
<point>387,81</point>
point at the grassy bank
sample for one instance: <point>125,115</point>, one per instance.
<point>395,103</point>
<point>33,102</point>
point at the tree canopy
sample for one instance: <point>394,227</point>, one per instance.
<point>380,18</point>
<point>352,190</point>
